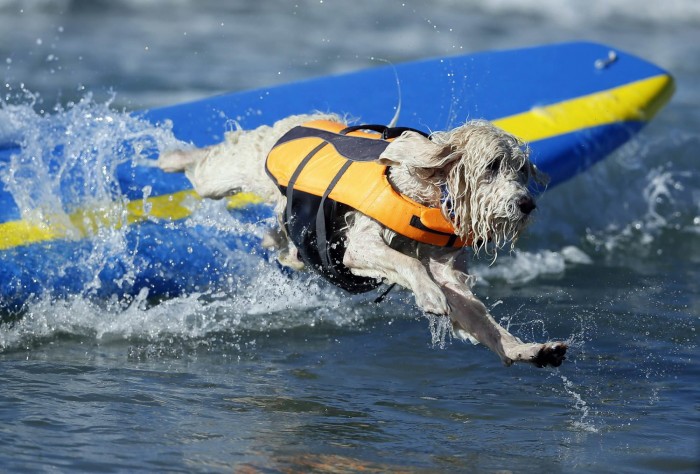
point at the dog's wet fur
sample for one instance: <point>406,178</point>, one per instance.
<point>487,176</point>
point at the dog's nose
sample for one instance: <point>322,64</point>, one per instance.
<point>526,205</point>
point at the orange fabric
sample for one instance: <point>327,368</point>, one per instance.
<point>364,186</point>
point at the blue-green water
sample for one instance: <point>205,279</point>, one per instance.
<point>280,375</point>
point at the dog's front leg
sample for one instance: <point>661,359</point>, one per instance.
<point>470,315</point>
<point>367,254</point>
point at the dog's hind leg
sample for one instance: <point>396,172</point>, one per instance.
<point>209,170</point>
<point>175,161</point>
<point>470,315</point>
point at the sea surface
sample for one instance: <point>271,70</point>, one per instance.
<point>282,374</point>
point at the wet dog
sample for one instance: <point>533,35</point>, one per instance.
<point>476,175</point>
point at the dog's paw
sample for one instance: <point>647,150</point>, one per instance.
<point>541,355</point>
<point>432,300</point>
<point>289,258</point>
<point>552,353</point>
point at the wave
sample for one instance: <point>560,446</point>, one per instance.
<point>643,198</point>
<point>567,12</point>
<point>269,301</point>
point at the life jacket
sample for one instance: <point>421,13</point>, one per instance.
<point>326,169</point>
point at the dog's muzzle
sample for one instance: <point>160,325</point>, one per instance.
<point>526,205</point>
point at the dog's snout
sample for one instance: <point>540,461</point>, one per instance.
<point>526,205</point>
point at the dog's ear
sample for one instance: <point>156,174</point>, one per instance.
<point>413,150</point>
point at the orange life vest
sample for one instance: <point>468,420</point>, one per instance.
<point>326,169</point>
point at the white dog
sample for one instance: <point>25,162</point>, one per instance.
<point>468,187</point>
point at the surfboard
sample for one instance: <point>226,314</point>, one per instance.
<point>573,103</point>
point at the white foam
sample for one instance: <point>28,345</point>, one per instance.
<point>574,12</point>
<point>522,266</point>
<point>269,301</point>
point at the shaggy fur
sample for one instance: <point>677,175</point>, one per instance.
<point>485,174</point>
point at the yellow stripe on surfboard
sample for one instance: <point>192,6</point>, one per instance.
<point>636,101</point>
<point>84,222</point>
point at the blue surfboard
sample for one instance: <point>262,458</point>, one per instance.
<point>573,103</point>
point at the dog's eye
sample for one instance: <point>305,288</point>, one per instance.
<point>524,170</point>
<point>495,165</point>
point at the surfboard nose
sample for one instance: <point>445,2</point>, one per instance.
<point>650,95</point>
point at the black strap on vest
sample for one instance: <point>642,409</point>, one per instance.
<point>326,256</point>
<point>321,236</point>
<point>381,297</point>
<point>289,215</point>
<point>387,134</point>
<point>340,276</point>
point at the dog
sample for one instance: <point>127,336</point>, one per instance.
<point>475,179</point>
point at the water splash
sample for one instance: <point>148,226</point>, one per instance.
<point>70,157</point>
<point>63,176</point>
<point>440,330</point>
<point>583,423</point>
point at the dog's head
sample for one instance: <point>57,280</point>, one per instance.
<point>482,175</point>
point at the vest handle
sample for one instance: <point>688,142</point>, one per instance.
<point>387,132</point>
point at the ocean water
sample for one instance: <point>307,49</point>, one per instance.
<point>284,374</point>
